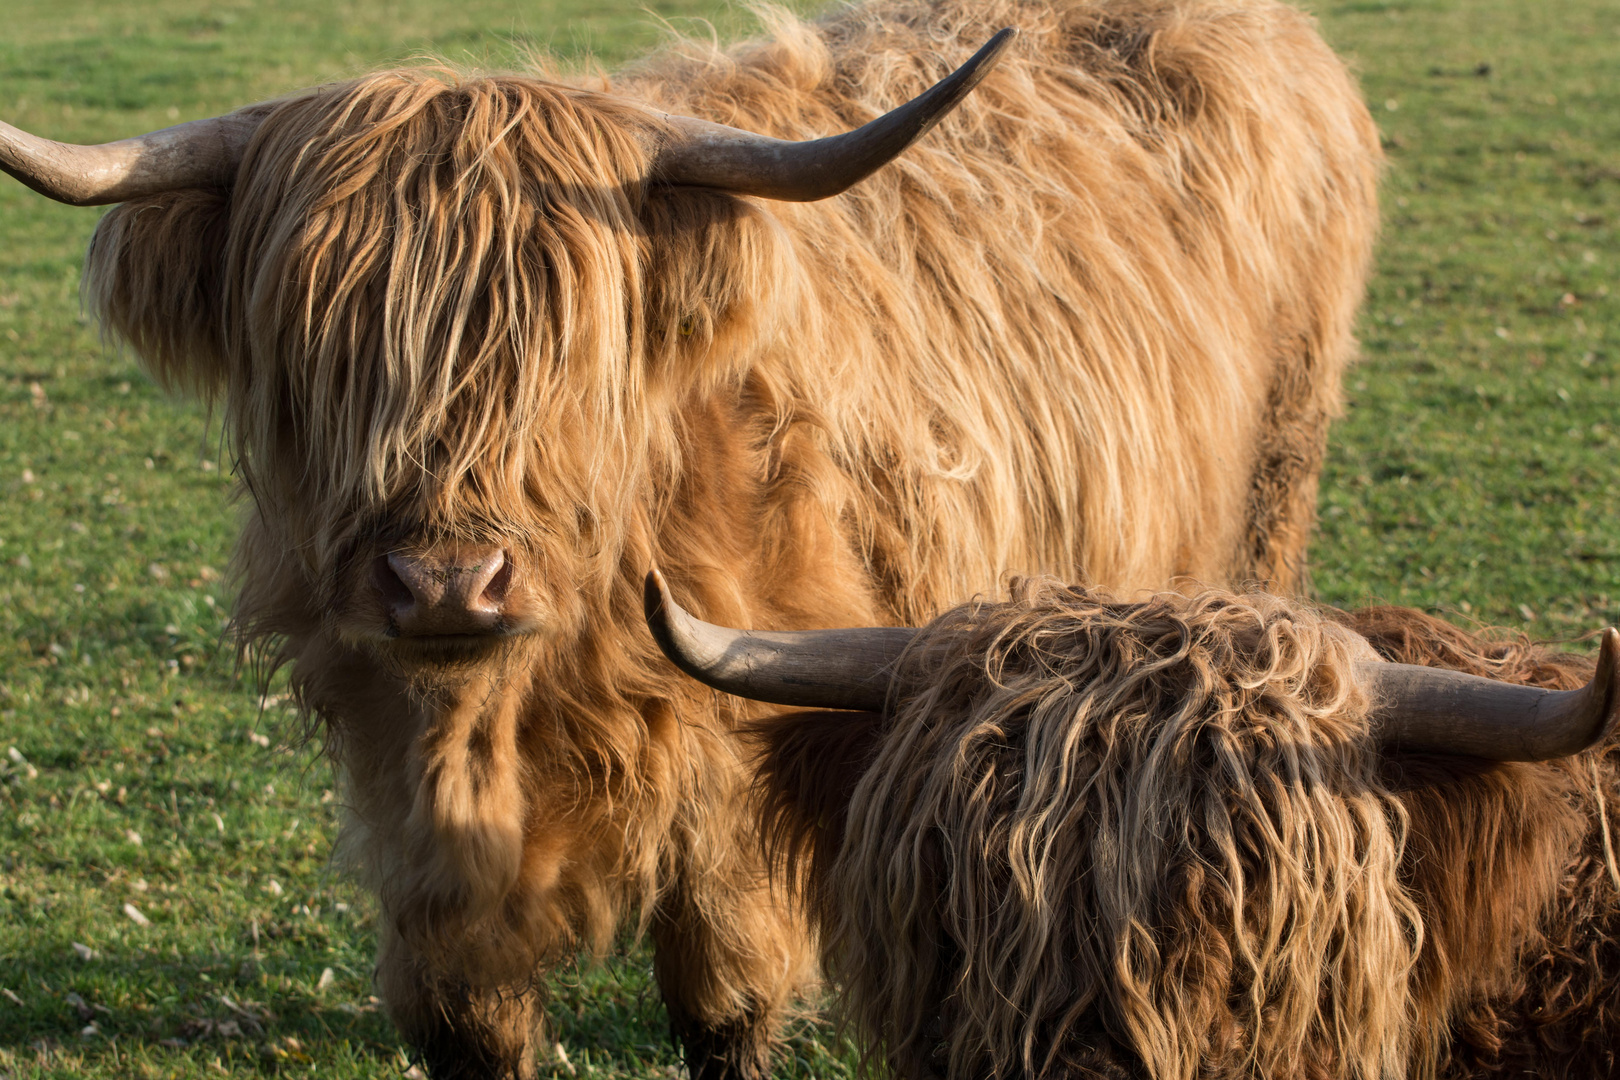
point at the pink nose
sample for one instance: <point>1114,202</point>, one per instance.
<point>451,590</point>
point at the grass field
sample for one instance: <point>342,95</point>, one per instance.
<point>165,905</point>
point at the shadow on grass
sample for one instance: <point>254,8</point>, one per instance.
<point>103,1013</point>
<point>206,1005</point>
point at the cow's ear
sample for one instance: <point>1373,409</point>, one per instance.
<point>153,277</point>
<point>715,279</point>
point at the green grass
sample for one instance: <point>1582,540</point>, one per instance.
<point>1472,475</point>
<point>1476,472</point>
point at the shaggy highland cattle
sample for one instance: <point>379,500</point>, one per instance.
<point>1222,835</point>
<point>487,346</point>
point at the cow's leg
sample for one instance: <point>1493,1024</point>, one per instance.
<point>733,1050</point>
<point>729,958</point>
<point>458,1032</point>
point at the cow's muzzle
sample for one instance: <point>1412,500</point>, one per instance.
<point>456,590</point>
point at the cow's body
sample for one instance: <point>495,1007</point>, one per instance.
<point>1157,839</point>
<point>1093,324</point>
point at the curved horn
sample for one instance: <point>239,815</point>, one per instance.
<point>705,154</point>
<point>1447,712</point>
<point>1415,708</point>
<point>201,153</point>
<point>818,669</point>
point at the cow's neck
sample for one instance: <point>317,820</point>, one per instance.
<point>468,806</point>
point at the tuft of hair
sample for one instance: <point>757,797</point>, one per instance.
<point>806,766</point>
<point>431,290</point>
<point>1152,825</point>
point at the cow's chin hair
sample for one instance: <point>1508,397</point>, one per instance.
<point>450,650</point>
<point>433,664</point>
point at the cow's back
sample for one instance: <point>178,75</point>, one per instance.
<point>1095,323</point>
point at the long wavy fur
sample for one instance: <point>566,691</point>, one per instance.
<point>1152,839</point>
<point>1510,867</point>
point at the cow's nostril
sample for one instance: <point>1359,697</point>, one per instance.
<point>495,592</point>
<point>389,585</point>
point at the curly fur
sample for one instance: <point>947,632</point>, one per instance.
<point>1095,321</point>
<point>1153,839</point>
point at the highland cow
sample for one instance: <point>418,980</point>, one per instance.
<point>486,346</point>
<point>1193,836</point>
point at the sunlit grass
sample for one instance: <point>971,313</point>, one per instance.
<point>1477,470</point>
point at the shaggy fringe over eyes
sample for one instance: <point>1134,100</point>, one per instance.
<point>1155,823</point>
<point>462,268</point>
<point>433,264</point>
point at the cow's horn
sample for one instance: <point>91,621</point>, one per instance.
<point>201,153</point>
<point>819,669</point>
<point>1447,712</point>
<point>705,154</point>
<point>1417,709</point>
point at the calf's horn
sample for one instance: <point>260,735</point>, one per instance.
<point>705,154</point>
<point>1415,709</point>
<point>201,153</point>
<point>818,669</point>
<point>1447,712</point>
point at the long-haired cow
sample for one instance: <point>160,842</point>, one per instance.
<point>486,346</point>
<point>1224,835</point>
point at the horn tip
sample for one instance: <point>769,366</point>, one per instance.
<point>671,627</point>
<point>655,600</point>
<point>1605,685</point>
<point>991,50</point>
<point>1608,662</point>
<point>655,584</point>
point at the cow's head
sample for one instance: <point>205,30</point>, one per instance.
<point>1070,832</point>
<point>858,681</point>
<point>1414,709</point>
<point>435,311</point>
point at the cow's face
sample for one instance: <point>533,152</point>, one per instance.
<point>440,320</point>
